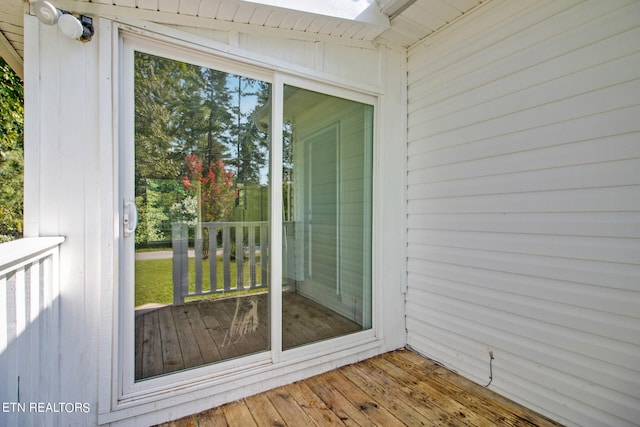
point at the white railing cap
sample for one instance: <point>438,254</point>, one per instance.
<point>17,251</point>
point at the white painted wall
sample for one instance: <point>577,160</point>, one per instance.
<point>64,195</point>
<point>71,190</point>
<point>524,204</point>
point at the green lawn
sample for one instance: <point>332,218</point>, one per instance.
<point>154,281</point>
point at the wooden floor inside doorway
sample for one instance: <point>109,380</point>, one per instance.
<point>178,337</point>
<point>399,388</point>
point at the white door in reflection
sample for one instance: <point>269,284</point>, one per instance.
<point>327,161</point>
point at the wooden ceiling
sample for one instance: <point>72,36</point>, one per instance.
<point>12,33</point>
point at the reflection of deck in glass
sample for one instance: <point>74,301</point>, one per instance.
<point>177,337</point>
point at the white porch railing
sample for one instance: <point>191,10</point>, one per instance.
<point>246,236</point>
<point>29,325</point>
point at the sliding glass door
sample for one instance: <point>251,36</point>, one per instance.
<point>327,170</point>
<point>201,191</point>
<point>199,287</point>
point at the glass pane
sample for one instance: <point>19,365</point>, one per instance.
<point>202,194</point>
<point>327,169</point>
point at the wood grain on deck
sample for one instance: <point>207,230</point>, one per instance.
<point>400,388</point>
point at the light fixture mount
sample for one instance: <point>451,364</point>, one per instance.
<point>71,26</point>
<point>87,28</point>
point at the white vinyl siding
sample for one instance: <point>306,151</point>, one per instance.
<point>338,283</point>
<point>524,204</point>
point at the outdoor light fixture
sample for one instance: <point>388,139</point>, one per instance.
<point>70,26</point>
<point>46,12</point>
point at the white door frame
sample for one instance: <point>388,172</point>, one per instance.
<point>222,382</point>
<point>127,248</point>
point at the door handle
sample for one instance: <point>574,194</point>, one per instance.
<point>130,218</point>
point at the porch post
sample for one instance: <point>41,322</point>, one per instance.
<point>180,244</point>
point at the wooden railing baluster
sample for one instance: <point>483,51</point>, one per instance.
<point>239,256</point>
<point>213,257</point>
<point>264,253</point>
<point>29,323</point>
<point>226,258</point>
<point>244,237</point>
<point>252,255</point>
<point>197,246</point>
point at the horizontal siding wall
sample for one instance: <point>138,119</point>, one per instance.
<point>524,204</point>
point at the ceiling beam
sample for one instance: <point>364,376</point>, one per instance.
<point>393,8</point>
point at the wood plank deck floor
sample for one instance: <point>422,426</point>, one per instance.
<point>173,338</point>
<point>399,388</point>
